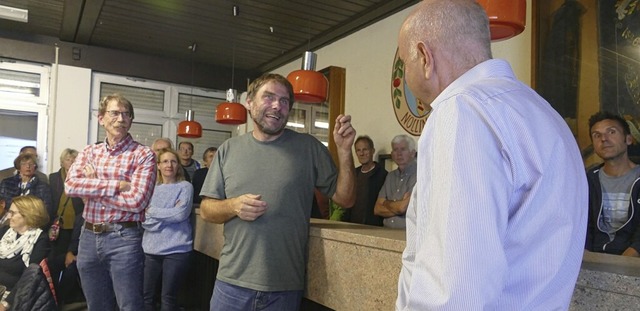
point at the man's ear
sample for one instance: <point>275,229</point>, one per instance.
<point>425,57</point>
<point>100,120</point>
<point>629,139</point>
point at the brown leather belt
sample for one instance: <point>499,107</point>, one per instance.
<point>109,227</point>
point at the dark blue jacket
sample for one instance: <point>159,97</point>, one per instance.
<point>627,236</point>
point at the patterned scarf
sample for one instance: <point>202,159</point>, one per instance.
<point>25,187</point>
<point>12,245</point>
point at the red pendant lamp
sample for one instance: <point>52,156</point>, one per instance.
<point>309,86</point>
<point>190,128</point>
<point>231,112</point>
<point>506,17</point>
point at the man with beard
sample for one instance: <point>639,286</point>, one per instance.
<point>116,179</point>
<point>614,190</point>
<point>261,185</point>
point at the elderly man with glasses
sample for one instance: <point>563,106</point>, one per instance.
<point>116,178</point>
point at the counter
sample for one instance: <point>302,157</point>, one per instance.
<point>356,267</point>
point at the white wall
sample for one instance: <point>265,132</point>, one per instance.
<point>368,58</point>
<point>69,112</point>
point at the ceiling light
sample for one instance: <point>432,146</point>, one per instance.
<point>190,128</point>
<point>232,112</point>
<point>309,86</point>
<point>506,17</point>
<point>14,14</point>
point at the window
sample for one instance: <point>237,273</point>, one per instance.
<point>159,108</point>
<point>24,100</point>
<point>312,119</point>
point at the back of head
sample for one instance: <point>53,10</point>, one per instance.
<point>458,29</point>
<point>32,209</point>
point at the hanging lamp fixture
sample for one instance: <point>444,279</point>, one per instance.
<point>506,17</point>
<point>232,112</point>
<point>190,128</point>
<point>309,86</point>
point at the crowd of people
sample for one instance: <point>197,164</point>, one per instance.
<point>62,221</point>
<point>495,170</point>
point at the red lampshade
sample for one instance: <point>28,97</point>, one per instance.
<point>189,128</point>
<point>231,113</point>
<point>309,86</point>
<point>506,17</point>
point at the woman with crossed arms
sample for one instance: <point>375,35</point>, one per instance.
<point>168,238</point>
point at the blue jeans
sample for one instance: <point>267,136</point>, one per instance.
<point>229,297</point>
<point>172,269</point>
<point>111,267</point>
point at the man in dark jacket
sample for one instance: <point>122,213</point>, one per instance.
<point>614,190</point>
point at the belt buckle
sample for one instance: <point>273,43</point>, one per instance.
<point>99,228</point>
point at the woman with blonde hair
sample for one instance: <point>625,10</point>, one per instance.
<point>23,242</point>
<point>168,239</point>
<point>68,210</point>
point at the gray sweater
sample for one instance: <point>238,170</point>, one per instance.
<point>167,228</point>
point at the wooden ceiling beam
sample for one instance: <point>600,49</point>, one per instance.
<point>88,21</point>
<point>70,19</point>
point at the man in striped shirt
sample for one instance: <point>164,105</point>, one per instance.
<point>116,179</point>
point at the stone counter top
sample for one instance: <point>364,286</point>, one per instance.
<point>356,267</point>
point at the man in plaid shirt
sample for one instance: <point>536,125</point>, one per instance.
<point>116,179</point>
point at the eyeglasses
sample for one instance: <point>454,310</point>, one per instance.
<point>27,164</point>
<point>115,114</point>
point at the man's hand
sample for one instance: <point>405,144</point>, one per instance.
<point>249,207</point>
<point>89,171</point>
<point>69,259</point>
<point>630,251</point>
<point>124,186</point>
<point>343,133</point>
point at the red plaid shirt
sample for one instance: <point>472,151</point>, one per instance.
<point>128,160</point>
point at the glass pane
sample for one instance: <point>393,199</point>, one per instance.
<point>320,120</point>
<point>18,129</point>
<point>143,133</point>
<point>140,98</point>
<point>202,106</point>
<point>298,120</point>
<point>210,138</point>
<point>19,83</point>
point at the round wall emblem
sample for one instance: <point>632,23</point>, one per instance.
<point>411,113</point>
